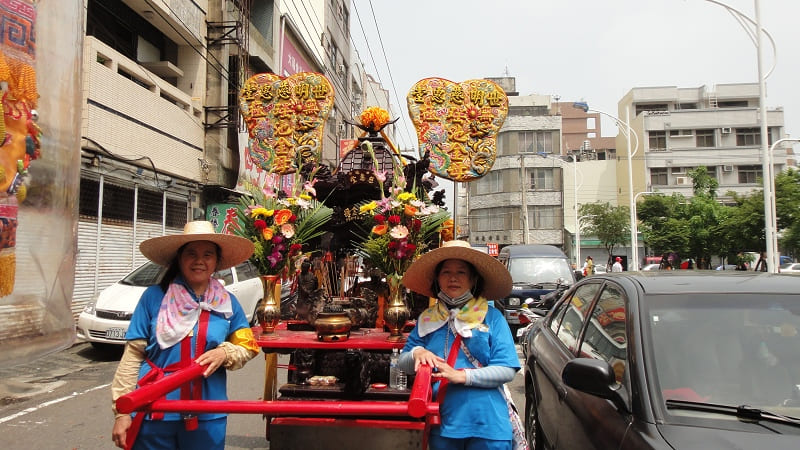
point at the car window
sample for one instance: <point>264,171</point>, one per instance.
<point>246,271</point>
<point>555,319</point>
<point>575,315</point>
<point>147,274</point>
<point>225,276</point>
<point>605,336</point>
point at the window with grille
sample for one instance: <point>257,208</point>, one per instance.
<point>658,176</point>
<point>747,137</point>
<point>490,183</point>
<point>543,217</point>
<point>535,141</point>
<point>704,138</point>
<point>541,179</point>
<point>657,140</point>
<point>749,174</point>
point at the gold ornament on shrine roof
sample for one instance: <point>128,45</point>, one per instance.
<point>285,118</point>
<point>457,125</point>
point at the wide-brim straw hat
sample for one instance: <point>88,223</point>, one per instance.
<point>496,279</point>
<point>163,249</point>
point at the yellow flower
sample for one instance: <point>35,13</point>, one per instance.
<point>305,197</point>
<point>368,207</point>
<point>266,233</point>
<point>261,212</point>
<point>406,196</point>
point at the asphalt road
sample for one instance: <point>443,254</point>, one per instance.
<point>63,401</point>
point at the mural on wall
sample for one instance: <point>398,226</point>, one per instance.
<point>41,47</point>
<point>19,132</point>
<point>457,125</point>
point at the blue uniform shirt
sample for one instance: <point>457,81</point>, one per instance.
<point>472,411</point>
<point>143,326</point>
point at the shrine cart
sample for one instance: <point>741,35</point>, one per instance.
<point>316,417</point>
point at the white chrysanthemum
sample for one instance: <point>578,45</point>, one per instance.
<point>399,232</point>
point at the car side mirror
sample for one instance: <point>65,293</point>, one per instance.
<point>595,377</point>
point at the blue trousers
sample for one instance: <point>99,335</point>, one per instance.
<point>436,442</point>
<point>172,435</point>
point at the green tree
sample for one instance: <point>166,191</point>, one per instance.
<point>787,205</point>
<point>610,224</point>
<point>662,223</point>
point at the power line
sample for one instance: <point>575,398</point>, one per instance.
<point>389,69</point>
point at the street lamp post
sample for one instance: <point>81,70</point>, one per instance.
<point>773,262</point>
<point>628,132</point>
<point>766,153</point>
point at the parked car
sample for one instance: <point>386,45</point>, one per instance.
<point>673,360</point>
<point>535,270</point>
<point>600,268</point>
<point>105,321</point>
<point>652,267</point>
<point>790,268</point>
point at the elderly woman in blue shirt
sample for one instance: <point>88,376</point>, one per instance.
<point>474,412</point>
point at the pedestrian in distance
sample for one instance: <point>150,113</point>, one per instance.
<point>617,266</point>
<point>588,266</point>
<point>188,317</point>
<point>466,342</point>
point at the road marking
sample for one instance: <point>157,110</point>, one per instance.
<point>51,402</point>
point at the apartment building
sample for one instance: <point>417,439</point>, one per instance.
<point>521,199</point>
<point>680,129</point>
<point>159,123</point>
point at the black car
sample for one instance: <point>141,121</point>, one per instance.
<point>662,360</point>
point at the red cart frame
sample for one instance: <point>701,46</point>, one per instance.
<point>413,416</point>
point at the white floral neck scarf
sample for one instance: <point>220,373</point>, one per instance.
<point>465,318</point>
<point>179,311</point>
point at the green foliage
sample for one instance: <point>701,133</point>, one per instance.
<point>610,224</point>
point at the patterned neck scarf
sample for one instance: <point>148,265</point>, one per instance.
<point>179,311</point>
<point>470,315</point>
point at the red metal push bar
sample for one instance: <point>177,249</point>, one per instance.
<point>150,397</point>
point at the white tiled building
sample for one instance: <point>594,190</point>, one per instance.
<point>680,129</point>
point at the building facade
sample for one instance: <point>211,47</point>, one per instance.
<point>680,129</point>
<point>521,199</point>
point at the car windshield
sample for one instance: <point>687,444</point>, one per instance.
<point>727,349</point>
<point>147,274</point>
<point>539,270</point>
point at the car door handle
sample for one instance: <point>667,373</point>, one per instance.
<point>562,392</point>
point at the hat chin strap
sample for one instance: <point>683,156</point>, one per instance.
<point>454,302</point>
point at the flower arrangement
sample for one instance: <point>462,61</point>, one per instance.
<point>279,224</point>
<point>374,118</point>
<point>401,225</point>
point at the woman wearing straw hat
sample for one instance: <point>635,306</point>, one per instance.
<point>188,317</point>
<point>467,343</point>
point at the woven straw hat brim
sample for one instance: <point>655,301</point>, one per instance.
<point>496,279</point>
<point>163,249</point>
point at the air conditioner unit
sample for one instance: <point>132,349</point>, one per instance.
<point>726,130</point>
<point>727,168</point>
<point>681,180</point>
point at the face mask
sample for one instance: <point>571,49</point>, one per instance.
<point>453,302</point>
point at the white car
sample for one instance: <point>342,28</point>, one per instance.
<point>652,267</point>
<point>790,268</point>
<point>105,321</point>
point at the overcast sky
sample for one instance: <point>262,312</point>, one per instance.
<point>595,50</point>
